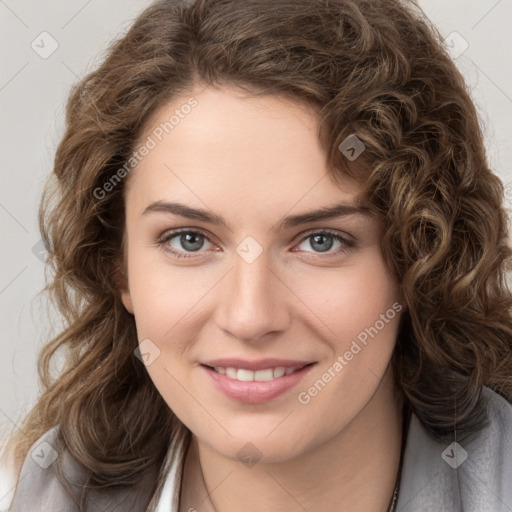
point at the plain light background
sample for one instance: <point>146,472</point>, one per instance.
<point>33,90</point>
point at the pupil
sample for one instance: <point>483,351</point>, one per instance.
<point>323,246</point>
<point>189,238</point>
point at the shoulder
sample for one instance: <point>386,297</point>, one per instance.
<point>49,469</point>
<point>472,475</point>
<point>38,485</point>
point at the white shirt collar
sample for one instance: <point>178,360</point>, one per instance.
<point>168,498</point>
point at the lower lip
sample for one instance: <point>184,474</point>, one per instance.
<point>255,392</point>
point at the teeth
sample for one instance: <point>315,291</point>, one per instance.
<point>232,373</point>
<point>264,374</point>
<point>259,375</point>
<point>245,375</point>
<point>280,371</point>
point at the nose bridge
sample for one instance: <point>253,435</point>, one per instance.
<point>251,279</point>
<point>253,300</point>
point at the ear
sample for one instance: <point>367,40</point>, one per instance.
<point>121,280</point>
<point>127,301</point>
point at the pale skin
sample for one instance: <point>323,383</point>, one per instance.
<point>253,161</point>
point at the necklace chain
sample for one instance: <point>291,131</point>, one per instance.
<point>392,508</point>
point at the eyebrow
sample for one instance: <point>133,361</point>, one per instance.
<point>328,212</point>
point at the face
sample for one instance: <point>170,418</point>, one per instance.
<point>260,323</point>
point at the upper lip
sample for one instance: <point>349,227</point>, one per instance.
<point>260,364</point>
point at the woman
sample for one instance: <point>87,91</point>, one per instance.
<point>281,256</point>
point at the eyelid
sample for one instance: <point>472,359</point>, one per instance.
<point>330,231</point>
<point>172,233</point>
<point>348,243</point>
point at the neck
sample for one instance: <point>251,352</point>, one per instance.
<point>355,470</point>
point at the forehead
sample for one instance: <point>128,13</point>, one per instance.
<point>243,149</point>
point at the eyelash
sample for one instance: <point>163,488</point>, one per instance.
<point>167,237</point>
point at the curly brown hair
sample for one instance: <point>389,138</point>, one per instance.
<point>375,69</point>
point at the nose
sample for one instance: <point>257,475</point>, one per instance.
<point>253,301</point>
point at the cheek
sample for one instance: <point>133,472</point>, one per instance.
<point>359,308</point>
<point>369,308</point>
<point>163,295</point>
<point>351,299</point>
<point>362,311</point>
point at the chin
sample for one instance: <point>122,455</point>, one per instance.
<point>256,447</point>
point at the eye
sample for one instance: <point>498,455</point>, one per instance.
<point>323,241</point>
<point>181,242</point>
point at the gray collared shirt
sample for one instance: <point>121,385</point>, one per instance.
<point>454,477</point>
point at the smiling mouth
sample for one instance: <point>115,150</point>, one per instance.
<point>245,375</point>
<point>259,385</point>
